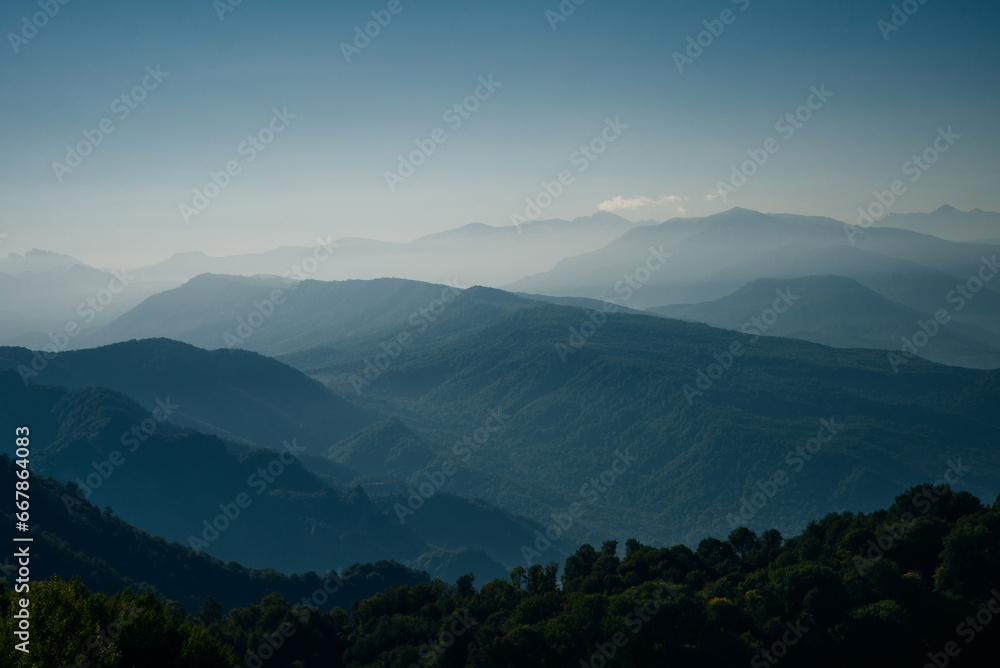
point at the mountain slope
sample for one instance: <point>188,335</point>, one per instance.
<point>626,389</point>
<point>387,448</point>
<point>234,393</point>
<point>231,311</point>
<point>109,555</point>
<point>334,316</point>
<point>177,483</point>
<point>908,283</point>
<point>839,312</point>
<point>170,481</point>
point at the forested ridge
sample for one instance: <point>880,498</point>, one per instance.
<point>914,584</point>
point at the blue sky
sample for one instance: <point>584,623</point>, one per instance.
<point>324,174</point>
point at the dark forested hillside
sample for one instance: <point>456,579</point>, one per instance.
<point>110,554</point>
<point>913,584</point>
<point>184,485</point>
<point>181,484</point>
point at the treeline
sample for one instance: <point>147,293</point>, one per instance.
<point>912,585</point>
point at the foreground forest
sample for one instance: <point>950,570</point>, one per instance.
<point>915,584</point>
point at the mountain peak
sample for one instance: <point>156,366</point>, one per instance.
<point>601,216</point>
<point>38,260</point>
<point>739,213</point>
<point>487,294</point>
<point>947,208</point>
<point>735,211</point>
<point>38,252</point>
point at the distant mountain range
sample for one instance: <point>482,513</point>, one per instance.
<point>588,258</point>
<point>43,293</point>
<point>876,293</point>
<point>474,254</point>
<point>37,261</point>
<point>949,223</point>
<point>714,256</point>
<point>720,256</point>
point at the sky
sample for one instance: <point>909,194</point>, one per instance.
<point>116,115</point>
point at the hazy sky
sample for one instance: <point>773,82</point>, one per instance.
<point>324,172</point>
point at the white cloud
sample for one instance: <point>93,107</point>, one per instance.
<point>619,203</point>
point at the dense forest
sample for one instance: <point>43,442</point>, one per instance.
<point>914,584</point>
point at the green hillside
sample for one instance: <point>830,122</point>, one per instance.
<point>703,445</point>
